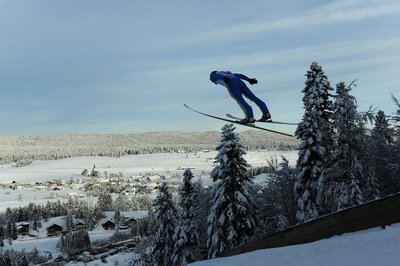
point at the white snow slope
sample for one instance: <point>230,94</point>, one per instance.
<point>373,247</point>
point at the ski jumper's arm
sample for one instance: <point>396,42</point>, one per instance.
<point>241,76</point>
<point>246,78</point>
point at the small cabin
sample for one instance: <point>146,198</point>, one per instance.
<point>79,225</point>
<point>130,221</point>
<point>108,225</point>
<point>54,230</point>
<point>23,228</point>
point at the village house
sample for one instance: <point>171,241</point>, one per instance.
<point>54,230</point>
<point>23,228</point>
<point>130,221</point>
<point>152,188</point>
<point>79,225</point>
<point>104,182</point>
<point>108,225</point>
<point>153,178</point>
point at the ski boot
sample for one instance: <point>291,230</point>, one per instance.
<point>265,117</point>
<point>246,121</point>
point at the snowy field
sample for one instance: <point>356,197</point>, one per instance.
<point>167,164</point>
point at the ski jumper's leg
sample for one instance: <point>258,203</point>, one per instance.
<point>236,93</point>
<point>247,92</point>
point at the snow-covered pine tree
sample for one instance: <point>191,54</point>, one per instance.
<point>7,258</point>
<point>76,242</point>
<point>3,260</point>
<point>117,219</point>
<point>395,164</point>
<point>347,173</point>
<point>14,231</point>
<point>121,203</point>
<point>315,132</point>
<point>381,152</point>
<point>69,222</point>
<point>186,236</point>
<point>278,208</point>
<point>396,117</point>
<point>202,210</point>
<point>2,236</point>
<point>382,133</point>
<point>165,213</point>
<point>104,202</point>
<point>231,221</point>
<point>23,261</point>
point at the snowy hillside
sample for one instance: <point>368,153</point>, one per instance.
<point>161,163</point>
<point>24,149</point>
<point>374,247</point>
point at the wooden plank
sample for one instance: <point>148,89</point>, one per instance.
<point>381,212</point>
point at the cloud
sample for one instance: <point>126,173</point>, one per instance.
<point>340,12</point>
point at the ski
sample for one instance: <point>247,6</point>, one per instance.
<point>269,121</point>
<point>237,122</point>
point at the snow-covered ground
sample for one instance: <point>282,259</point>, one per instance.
<point>167,164</point>
<point>161,163</point>
<point>373,247</point>
<point>370,247</point>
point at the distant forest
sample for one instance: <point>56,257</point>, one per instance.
<point>22,150</point>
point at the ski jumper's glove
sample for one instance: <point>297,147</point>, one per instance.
<point>227,79</point>
<point>253,81</point>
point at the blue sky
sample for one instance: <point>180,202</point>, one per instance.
<point>128,66</point>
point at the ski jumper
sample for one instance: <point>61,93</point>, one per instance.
<point>237,88</point>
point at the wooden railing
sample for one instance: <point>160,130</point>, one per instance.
<point>381,212</point>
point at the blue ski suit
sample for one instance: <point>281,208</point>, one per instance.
<point>237,88</point>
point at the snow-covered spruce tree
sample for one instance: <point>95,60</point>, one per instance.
<point>202,210</point>
<point>76,242</point>
<point>231,221</point>
<point>186,236</point>
<point>396,160</point>
<point>346,173</point>
<point>396,117</point>
<point>23,261</point>
<point>165,214</point>
<point>278,206</point>
<point>117,219</point>
<point>382,153</point>
<point>316,135</point>
<point>2,236</point>
<point>104,202</point>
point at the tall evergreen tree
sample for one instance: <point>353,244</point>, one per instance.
<point>395,162</point>
<point>69,222</point>
<point>104,202</point>
<point>7,258</point>
<point>202,210</point>
<point>165,213</point>
<point>23,261</point>
<point>316,135</point>
<point>14,231</point>
<point>117,219</point>
<point>381,150</point>
<point>396,117</point>
<point>186,236</point>
<point>280,210</point>
<point>347,173</point>
<point>232,217</point>
<point>2,235</point>
<point>76,242</point>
